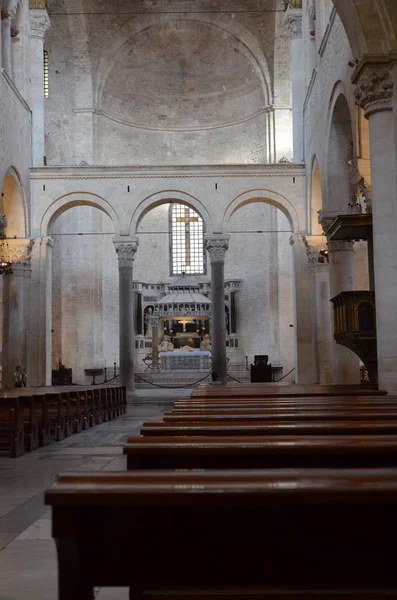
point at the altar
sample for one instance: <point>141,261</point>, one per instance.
<point>196,360</point>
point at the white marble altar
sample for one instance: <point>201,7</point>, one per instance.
<point>185,361</point>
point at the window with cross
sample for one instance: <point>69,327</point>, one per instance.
<point>187,241</point>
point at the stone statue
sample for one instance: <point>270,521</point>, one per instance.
<point>166,344</point>
<point>205,344</point>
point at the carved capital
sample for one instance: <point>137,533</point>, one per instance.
<point>18,251</point>
<point>340,246</point>
<point>39,24</point>
<point>293,22</point>
<point>126,252</point>
<point>374,89</point>
<point>216,248</point>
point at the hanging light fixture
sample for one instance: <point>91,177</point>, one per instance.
<point>323,255</point>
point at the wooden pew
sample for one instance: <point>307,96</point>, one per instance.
<point>281,416</point>
<point>12,433</point>
<point>260,452</point>
<point>286,402</point>
<point>280,531</point>
<point>261,428</point>
<point>283,391</point>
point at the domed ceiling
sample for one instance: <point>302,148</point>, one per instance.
<point>182,74</point>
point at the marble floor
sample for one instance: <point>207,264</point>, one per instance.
<point>28,566</point>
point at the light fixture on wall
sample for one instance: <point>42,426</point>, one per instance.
<point>5,263</point>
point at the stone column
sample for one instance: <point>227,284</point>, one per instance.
<point>304,313</point>
<point>375,94</point>
<point>155,344</point>
<point>16,300</point>
<point>7,52</point>
<point>41,313</point>
<point>345,364</point>
<point>126,253</point>
<point>39,24</point>
<point>323,308</point>
<point>293,22</point>
<point>216,246</point>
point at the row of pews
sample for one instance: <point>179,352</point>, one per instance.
<point>31,418</point>
<point>273,492</point>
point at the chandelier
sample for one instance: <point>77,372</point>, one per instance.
<point>5,263</point>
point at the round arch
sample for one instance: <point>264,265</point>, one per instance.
<point>13,204</point>
<point>340,151</point>
<point>370,25</point>
<point>268,197</point>
<point>222,22</point>
<point>165,197</point>
<point>68,201</point>
<point>315,203</point>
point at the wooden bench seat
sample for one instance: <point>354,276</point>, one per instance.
<point>283,391</point>
<point>259,415</point>
<point>259,428</point>
<point>275,530</point>
<point>286,402</point>
<point>259,452</point>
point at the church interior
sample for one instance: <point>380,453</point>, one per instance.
<point>198,299</point>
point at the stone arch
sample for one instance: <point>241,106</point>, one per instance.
<point>370,25</point>
<point>13,205</point>
<point>315,197</point>
<point>222,22</point>
<point>68,201</point>
<point>268,197</point>
<point>165,197</point>
<point>340,151</point>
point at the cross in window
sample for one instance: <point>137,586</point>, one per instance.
<point>187,219</point>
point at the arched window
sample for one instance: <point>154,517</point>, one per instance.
<point>187,241</point>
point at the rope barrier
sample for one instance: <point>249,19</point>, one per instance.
<point>173,387</point>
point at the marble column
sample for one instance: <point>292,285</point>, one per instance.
<point>126,253</point>
<point>293,22</point>
<point>16,308</point>
<point>217,246</point>
<point>39,24</point>
<point>375,93</point>
<point>304,313</point>
<point>155,344</point>
<point>323,334</point>
<point>41,313</point>
<point>6,47</point>
<point>345,364</point>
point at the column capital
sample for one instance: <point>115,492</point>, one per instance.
<point>374,85</point>
<point>340,246</point>
<point>19,251</point>
<point>126,251</point>
<point>293,22</point>
<point>47,241</point>
<point>216,247</point>
<point>39,23</point>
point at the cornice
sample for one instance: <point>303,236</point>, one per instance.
<point>165,172</point>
